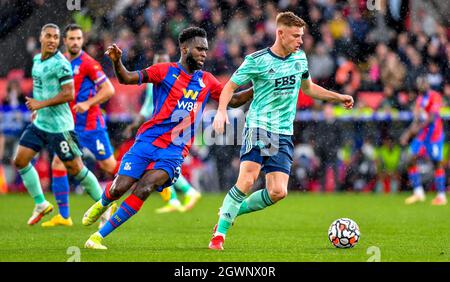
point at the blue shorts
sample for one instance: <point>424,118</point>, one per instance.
<point>434,149</point>
<point>64,144</point>
<point>143,156</point>
<point>272,151</point>
<point>97,141</point>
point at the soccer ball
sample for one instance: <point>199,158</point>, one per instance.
<point>343,233</point>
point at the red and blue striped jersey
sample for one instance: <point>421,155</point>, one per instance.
<point>179,100</point>
<point>88,75</point>
<point>430,103</point>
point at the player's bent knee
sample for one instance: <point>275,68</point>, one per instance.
<point>20,163</point>
<point>120,186</point>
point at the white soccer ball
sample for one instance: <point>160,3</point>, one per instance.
<point>343,233</point>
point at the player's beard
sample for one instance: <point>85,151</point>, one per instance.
<point>191,62</point>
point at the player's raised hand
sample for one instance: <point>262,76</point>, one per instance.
<point>347,101</point>
<point>114,52</point>
<point>219,121</point>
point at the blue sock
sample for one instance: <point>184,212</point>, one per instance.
<point>127,209</point>
<point>60,188</point>
<point>106,197</point>
<point>439,180</point>
<point>414,177</point>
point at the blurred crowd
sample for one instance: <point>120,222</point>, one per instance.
<point>349,47</point>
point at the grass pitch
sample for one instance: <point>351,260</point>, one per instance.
<point>293,230</point>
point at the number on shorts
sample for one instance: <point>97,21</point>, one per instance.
<point>435,150</point>
<point>64,147</point>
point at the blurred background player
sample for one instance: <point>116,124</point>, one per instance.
<point>277,73</point>
<point>92,88</point>
<point>53,126</point>
<point>154,162</point>
<point>427,129</point>
<point>169,195</point>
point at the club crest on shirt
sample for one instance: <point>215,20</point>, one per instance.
<point>76,70</point>
<point>202,84</point>
<point>298,66</point>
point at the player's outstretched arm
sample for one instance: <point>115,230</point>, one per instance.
<point>122,74</point>
<point>241,98</point>
<point>221,116</point>
<point>66,94</point>
<point>317,92</point>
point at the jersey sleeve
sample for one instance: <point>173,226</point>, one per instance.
<point>247,70</point>
<point>216,88</point>
<point>153,74</point>
<point>304,67</point>
<point>95,72</point>
<point>147,107</point>
<point>64,72</point>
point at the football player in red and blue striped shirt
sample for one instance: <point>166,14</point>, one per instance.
<point>427,129</point>
<point>92,88</point>
<point>181,91</point>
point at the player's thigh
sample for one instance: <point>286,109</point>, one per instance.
<point>31,142</point>
<point>121,184</point>
<point>108,165</point>
<point>435,151</point>
<point>97,141</point>
<point>23,157</point>
<point>65,145</point>
<point>150,181</point>
<point>415,147</point>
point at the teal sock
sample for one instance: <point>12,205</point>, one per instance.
<point>90,183</point>
<point>32,182</point>
<point>256,201</point>
<point>183,185</point>
<point>173,193</point>
<point>229,209</point>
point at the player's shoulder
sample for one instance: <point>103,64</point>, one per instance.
<point>207,76</point>
<point>37,57</point>
<point>258,54</point>
<point>164,65</point>
<point>86,58</point>
<point>60,57</point>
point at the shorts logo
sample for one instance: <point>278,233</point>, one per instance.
<point>127,166</point>
<point>100,147</point>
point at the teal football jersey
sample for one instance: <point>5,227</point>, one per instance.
<point>48,76</point>
<point>276,85</point>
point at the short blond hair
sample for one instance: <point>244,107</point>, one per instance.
<point>289,19</point>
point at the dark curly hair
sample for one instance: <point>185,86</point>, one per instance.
<point>190,33</point>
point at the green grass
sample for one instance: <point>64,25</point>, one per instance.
<point>293,230</point>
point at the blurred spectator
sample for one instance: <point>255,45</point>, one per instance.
<point>388,163</point>
<point>393,72</point>
<point>321,64</point>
